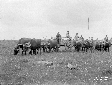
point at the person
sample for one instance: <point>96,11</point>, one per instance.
<point>97,41</point>
<point>67,34</point>
<point>81,38</point>
<point>58,38</point>
<point>76,38</point>
<point>51,38</point>
<point>91,41</point>
<point>106,38</point>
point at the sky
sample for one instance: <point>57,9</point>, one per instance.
<point>41,18</point>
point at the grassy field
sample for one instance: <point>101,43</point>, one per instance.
<point>51,68</point>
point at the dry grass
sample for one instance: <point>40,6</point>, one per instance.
<point>91,68</point>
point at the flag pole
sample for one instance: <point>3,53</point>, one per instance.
<point>88,23</point>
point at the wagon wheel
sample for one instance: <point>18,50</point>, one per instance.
<point>68,45</point>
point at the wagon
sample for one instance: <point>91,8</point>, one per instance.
<point>66,42</point>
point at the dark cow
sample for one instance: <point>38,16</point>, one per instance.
<point>35,46</point>
<point>106,46</point>
<point>16,50</point>
<point>52,45</point>
<point>87,45</point>
<point>99,46</point>
<point>102,46</point>
<point>24,44</point>
<point>27,43</point>
<point>83,46</point>
<point>77,45</point>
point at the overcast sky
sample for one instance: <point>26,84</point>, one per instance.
<point>40,18</point>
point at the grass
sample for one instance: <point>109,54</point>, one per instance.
<point>91,68</point>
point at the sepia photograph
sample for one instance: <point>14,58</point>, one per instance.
<point>55,42</point>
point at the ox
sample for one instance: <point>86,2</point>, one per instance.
<point>26,43</point>
<point>51,44</point>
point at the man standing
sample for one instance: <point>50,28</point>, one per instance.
<point>81,38</point>
<point>67,34</point>
<point>58,38</point>
<point>76,38</point>
<point>106,38</point>
<point>92,39</point>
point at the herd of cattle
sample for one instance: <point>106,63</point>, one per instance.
<point>34,46</point>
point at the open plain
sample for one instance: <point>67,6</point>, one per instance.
<point>52,68</point>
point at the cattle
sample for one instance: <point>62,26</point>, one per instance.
<point>16,50</point>
<point>87,45</point>
<point>102,46</point>
<point>77,45</point>
<point>84,45</point>
<point>52,45</point>
<point>35,46</point>
<point>106,46</point>
<point>99,46</point>
<point>26,43</point>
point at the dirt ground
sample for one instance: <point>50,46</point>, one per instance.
<point>52,68</point>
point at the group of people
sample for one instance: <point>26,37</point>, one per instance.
<point>76,38</point>
<point>58,36</point>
